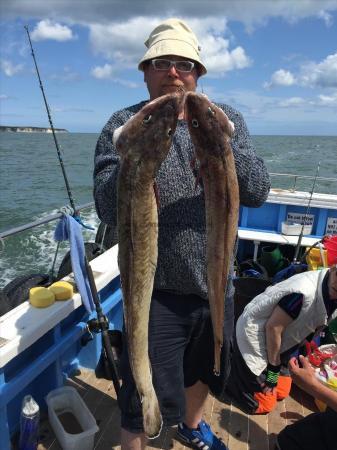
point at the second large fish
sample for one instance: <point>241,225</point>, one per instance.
<point>211,131</point>
<point>142,144</point>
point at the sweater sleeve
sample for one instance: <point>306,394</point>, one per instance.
<point>253,178</point>
<point>105,175</point>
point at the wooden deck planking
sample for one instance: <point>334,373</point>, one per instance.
<point>276,423</point>
<point>258,432</point>
<point>239,431</point>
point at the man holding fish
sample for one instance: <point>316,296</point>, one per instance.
<point>171,179</point>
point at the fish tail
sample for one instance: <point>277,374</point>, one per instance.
<point>152,420</point>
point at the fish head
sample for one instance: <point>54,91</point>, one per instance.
<point>148,134</point>
<point>209,126</point>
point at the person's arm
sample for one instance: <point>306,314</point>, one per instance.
<point>306,379</point>
<point>253,178</point>
<point>105,175</point>
<point>275,326</point>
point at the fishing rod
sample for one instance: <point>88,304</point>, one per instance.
<point>101,324</point>
<point>72,203</point>
<point>298,245</point>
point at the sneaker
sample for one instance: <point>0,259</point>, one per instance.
<point>201,438</point>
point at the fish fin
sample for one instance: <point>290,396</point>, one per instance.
<point>156,193</point>
<point>116,134</point>
<point>152,420</point>
<point>193,163</point>
<point>198,178</point>
<point>196,173</point>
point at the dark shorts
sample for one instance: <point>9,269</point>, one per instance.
<point>181,353</point>
<point>318,431</point>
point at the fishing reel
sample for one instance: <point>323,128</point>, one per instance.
<point>94,326</point>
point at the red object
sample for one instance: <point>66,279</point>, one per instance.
<point>330,243</point>
<point>315,356</point>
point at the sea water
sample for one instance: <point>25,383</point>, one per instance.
<point>32,186</point>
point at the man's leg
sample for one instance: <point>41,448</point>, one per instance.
<point>198,363</point>
<point>195,396</point>
<point>170,319</point>
<point>132,441</point>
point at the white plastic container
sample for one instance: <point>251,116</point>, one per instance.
<point>65,403</point>
<point>294,229</point>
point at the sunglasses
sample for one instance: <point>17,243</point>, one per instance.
<point>166,64</point>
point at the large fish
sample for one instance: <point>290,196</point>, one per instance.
<point>143,144</point>
<point>211,130</point>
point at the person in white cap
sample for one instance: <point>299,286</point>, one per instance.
<point>180,331</point>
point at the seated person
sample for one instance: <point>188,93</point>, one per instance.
<point>318,430</point>
<point>270,329</point>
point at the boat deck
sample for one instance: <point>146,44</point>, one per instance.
<point>238,430</point>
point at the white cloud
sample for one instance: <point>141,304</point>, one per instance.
<point>313,75</point>
<point>249,12</point>
<point>293,101</point>
<point>122,42</point>
<point>124,47</point>
<point>323,74</point>
<point>281,78</point>
<point>71,110</point>
<point>102,72</point>
<point>328,100</point>
<point>327,18</point>
<point>107,71</point>
<point>66,75</point>
<point>126,83</point>
<point>219,59</point>
<point>46,29</point>
<point>10,69</point>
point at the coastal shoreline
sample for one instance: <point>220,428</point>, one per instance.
<point>21,129</point>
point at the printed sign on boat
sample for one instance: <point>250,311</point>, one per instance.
<point>331,225</point>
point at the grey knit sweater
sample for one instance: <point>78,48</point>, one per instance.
<point>181,264</point>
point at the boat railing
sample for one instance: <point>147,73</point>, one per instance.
<point>292,180</point>
<point>42,221</point>
<point>291,185</point>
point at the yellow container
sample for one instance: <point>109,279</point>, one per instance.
<point>40,297</point>
<point>314,258</point>
<point>62,290</point>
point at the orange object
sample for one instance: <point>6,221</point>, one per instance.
<point>267,402</point>
<point>283,387</point>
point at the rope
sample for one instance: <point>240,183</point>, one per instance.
<point>54,262</point>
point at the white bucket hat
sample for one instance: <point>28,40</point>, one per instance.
<point>173,37</point>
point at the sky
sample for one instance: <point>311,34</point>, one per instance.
<point>273,60</point>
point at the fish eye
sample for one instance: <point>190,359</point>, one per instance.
<point>211,111</point>
<point>147,119</point>
<point>169,132</point>
<point>195,123</point>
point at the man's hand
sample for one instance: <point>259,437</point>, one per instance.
<point>270,384</point>
<point>268,390</point>
<point>303,376</point>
